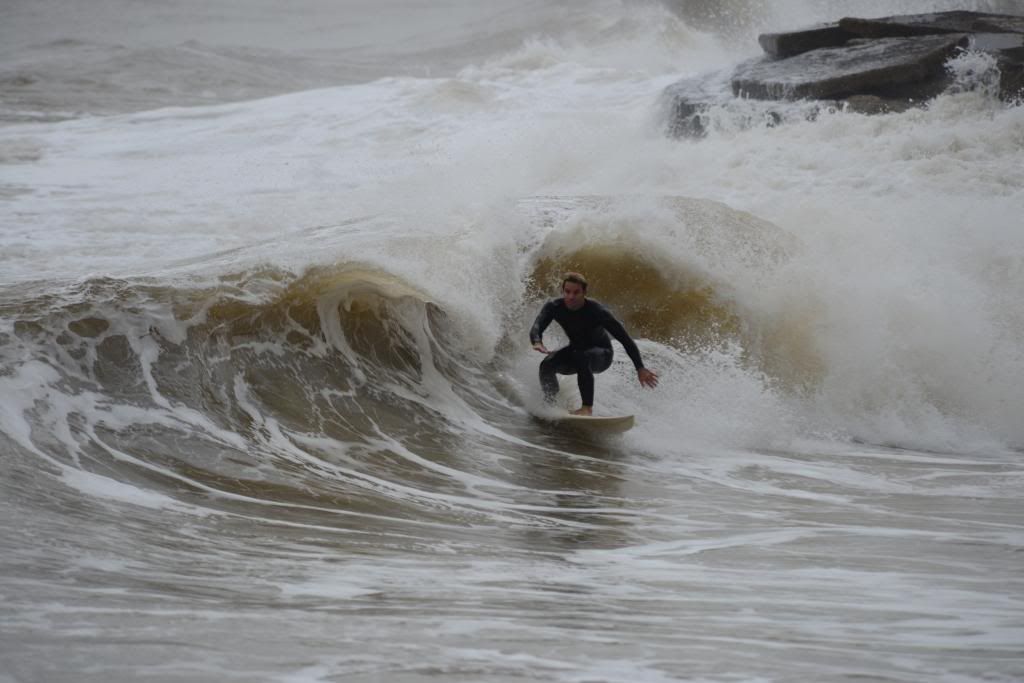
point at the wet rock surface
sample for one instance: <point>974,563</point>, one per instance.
<point>929,24</point>
<point>860,67</point>
<point>879,65</point>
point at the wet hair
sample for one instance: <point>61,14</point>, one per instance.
<point>577,278</point>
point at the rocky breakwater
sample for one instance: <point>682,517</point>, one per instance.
<point>865,65</point>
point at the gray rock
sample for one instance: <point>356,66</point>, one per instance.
<point>791,43</point>
<point>869,66</point>
<point>861,67</point>
<point>930,24</point>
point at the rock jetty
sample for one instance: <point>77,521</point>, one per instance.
<point>866,65</point>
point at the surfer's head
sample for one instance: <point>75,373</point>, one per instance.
<point>574,290</point>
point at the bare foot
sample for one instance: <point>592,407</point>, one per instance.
<point>585,410</point>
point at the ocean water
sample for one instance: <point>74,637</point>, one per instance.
<point>266,276</point>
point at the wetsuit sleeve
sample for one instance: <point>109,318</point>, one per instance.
<point>615,328</point>
<point>544,318</point>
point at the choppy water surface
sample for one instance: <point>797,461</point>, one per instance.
<point>265,383</point>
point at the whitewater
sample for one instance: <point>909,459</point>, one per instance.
<point>266,278</point>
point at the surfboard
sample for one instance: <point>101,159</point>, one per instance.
<point>611,424</point>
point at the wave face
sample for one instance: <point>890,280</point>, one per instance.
<point>267,398</point>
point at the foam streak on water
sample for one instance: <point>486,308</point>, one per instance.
<point>266,392</point>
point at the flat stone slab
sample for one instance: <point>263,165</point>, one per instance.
<point>860,67</point>
<point>993,42</point>
<point>930,24</point>
<point>792,43</point>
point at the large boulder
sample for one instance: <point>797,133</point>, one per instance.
<point>860,67</point>
<point>881,65</point>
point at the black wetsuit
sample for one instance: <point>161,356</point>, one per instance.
<point>589,350</point>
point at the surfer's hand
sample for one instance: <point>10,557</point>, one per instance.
<point>647,378</point>
<point>539,346</point>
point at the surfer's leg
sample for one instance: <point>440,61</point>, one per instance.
<point>597,359</point>
<point>600,358</point>
<point>560,362</point>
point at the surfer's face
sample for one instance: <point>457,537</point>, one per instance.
<point>573,295</point>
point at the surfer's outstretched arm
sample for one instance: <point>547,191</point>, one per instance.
<point>615,328</point>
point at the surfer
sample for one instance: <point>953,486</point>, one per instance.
<point>587,323</point>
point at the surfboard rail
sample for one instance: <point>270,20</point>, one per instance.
<point>613,424</point>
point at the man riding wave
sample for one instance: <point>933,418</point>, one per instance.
<point>588,324</point>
